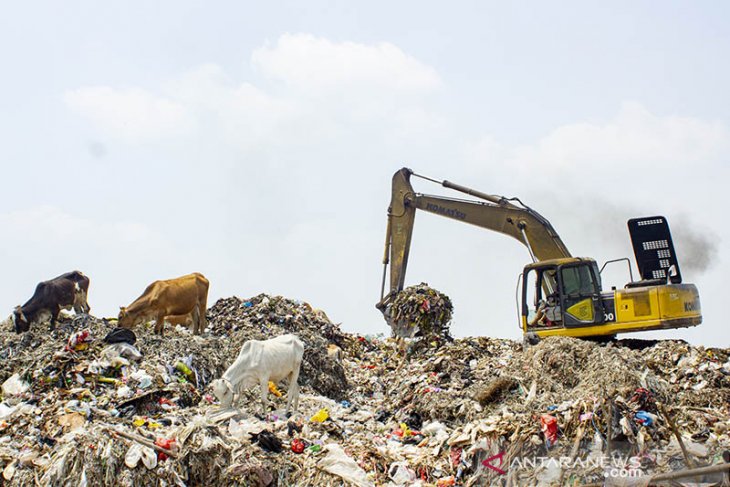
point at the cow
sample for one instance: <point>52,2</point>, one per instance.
<point>66,291</point>
<point>180,296</point>
<point>260,362</point>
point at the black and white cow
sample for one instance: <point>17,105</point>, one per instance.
<point>65,291</point>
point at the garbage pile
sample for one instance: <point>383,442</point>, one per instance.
<point>420,311</point>
<point>264,316</point>
<point>66,391</point>
<point>83,406</point>
<point>563,412</point>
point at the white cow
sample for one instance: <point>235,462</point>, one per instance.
<point>260,362</point>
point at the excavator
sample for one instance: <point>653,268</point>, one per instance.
<point>558,294</point>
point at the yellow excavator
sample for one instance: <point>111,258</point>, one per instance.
<point>559,294</point>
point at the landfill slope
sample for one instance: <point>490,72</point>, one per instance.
<point>374,413</point>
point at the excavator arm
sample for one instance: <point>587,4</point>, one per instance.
<point>496,213</point>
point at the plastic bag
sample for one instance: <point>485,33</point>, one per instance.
<point>14,386</point>
<point>298,445</point>
<point>320,416</point>
<point>274,390</point>
<point>166,443</point>
<point>240,429</point>
<point>79,340</point>
<point>338,463</point>
<point>549,426</point>
<point>6,410</point>
<point>133,456</point>
<point>121,335</point>
<point>121,349</point>
<point>642,417</point>
<point>143,379</point>
<point>267,441</point>
<point>400,474</point>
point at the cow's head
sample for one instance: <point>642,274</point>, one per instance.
<point>127,319</point>
<point>20,322</point>
<point>223,391</point>
<point>123,317</point>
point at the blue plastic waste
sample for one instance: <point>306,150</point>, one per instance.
<point>644,418</point>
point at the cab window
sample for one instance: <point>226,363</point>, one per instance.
<point>549,282</point>
<point>578,280</point>
<point>531,294</point>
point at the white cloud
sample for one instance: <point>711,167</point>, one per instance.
<point>314,63</point>
<point>635,151</point>
<point>596,175</point>
<point>635,136</point>
<point>328,88</point>
<point>130,114</point>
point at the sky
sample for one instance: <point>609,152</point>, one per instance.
<point>255,142</point>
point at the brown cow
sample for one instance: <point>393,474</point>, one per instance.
<point>180,296</point>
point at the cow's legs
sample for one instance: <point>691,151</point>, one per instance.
<point>203,307</point>
<point>85,303</point>
<point>196,320</point>
<point>78,304</point>
<point>293,392</point>
<point>264,396</point>
<point>54,316</point>
<point>160,324</point>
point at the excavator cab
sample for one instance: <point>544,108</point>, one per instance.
<point>564,293</point>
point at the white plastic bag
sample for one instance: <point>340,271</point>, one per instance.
<point>241,429</point>
<point>121,349</point>
<point>6,410</point>
<point>400,474</point>
<point>133,456</point>
<point>338,463</point>
<point>14,386</point>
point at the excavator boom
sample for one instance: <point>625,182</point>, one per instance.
<point>496,213</point>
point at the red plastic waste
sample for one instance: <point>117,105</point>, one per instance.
<point>549,426</point>
<point>167,444</point>
<point>297,445</point>
<point>76,341</point>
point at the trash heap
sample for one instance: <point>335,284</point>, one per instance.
<point>78,410</point>
<point>496,413</point>
<point>421,311</point>
<point>263,317</point>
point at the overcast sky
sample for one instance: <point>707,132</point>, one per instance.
<point>255,141</point>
